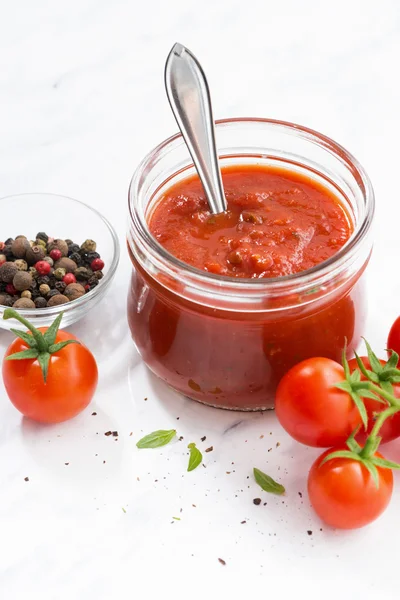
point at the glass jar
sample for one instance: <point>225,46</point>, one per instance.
<point>225,341</point>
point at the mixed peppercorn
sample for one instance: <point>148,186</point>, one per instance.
<point>47,271</point>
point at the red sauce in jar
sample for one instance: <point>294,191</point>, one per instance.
<point>278,222</point>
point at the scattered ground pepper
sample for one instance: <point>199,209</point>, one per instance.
<point>203,439</point>
<point>107,433</point>
<point>309,532</point>
<point>257,501</point>
<point>221,560</point>
<point>210,449</point>
<point>26,478</point>
<point>94,414</point>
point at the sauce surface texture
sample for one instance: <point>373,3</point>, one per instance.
<point>278,223</point>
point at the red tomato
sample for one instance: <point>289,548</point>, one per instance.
<point>390,430</point>
<point>393,342</point>
<point>311,409</point>
<point>343,492</point>
<point>71,381</point>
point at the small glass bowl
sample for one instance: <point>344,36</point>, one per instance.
<point>60,217</point>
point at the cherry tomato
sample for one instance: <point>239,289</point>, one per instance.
<point>390,430</point>
<point>393,342</point>
<point>311,409</point>
<point>343,492</point>
<point>71,381</point>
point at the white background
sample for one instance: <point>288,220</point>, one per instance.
<point>81,102</point>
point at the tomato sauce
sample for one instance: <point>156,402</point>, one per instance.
<point>277,223</point>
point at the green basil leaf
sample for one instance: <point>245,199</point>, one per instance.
<point>156,439</point>
<point>195,457</point>
<point>267,483</point>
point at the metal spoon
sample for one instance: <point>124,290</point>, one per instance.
<point>189,96</point>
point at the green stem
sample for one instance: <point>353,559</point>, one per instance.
<point>387,395</point>
<point>385,414</point>
<point>10,313</point>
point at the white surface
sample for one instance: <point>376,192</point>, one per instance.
<point>82,100</point>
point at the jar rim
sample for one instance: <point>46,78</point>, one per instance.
<point>301,278</point>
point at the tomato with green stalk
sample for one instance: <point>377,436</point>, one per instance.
<point>384,378</point>
<point>319,402</point>
<point>349,487</point>
<point>49,375</point>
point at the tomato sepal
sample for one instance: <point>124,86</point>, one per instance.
<point>43,346</point>
<point>25,337</point>
<point>24,354</point>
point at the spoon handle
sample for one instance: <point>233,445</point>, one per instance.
<point>189,96</point>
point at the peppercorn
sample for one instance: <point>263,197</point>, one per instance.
<point>2,287</point>
<point>41,243</point>
<point>21,264</point>
<point>33,272</point>
<point>44,289</point>
<point>19,246</point>
<point>43,279</point>
<point>3,258</point>
<point>83,273</point>
<point>42,267</point>
<point>26,294</point>
<point>99,274</point>
<point>42,236</point>
<point>97,264</point>
<point>6,300</point>
<point>59,273</point>
<point>73,291</point>
<point>73,248</point>
<point>49,260</point>
<point>77,258</point>
<point>7,271</point>
<point>69,278</point>
<point>22,281</point>
<point>56,300</point>
<point>10,289</point>
<point>8,241</point>
<point>2,244</point>
<point>60,286</point>
<point>55,254</point>
<point>52,293</point>
<point>68,241</point>
<point>40,302</point>
<point>89,246</point>
<point>8,252</point>
<point>35,294</point>
<point>24,303</point>
<point>67,264</point>
<point>34,254</point>
<point>61,245</point>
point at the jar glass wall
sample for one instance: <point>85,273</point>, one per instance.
<point>225,341</point>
